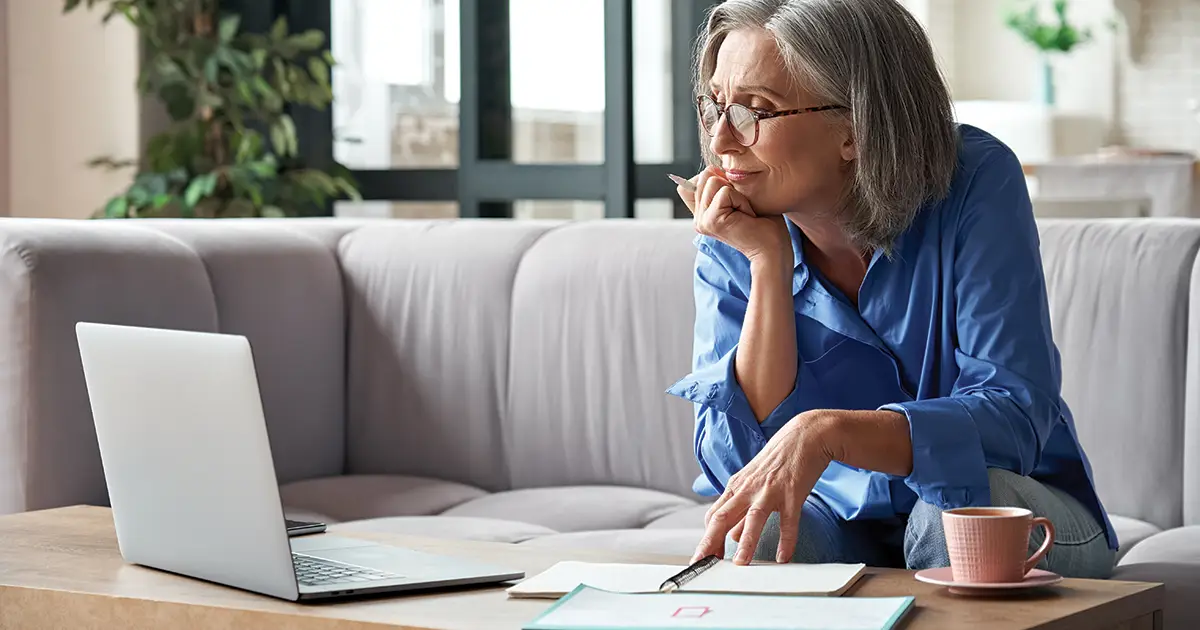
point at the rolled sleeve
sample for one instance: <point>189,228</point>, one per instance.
<point>715,386</point>
<point>948,468</point>
<point>728,434</point>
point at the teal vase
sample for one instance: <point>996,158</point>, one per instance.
<point>1047,83</point>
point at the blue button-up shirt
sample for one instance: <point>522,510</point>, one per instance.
<point>952,330</point>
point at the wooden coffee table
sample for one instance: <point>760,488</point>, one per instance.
<point>61,569</point>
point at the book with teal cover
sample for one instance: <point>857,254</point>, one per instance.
<point>587,608</point>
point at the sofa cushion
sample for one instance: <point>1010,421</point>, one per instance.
<point>54,274</point>
<point>675,542</point>
<point>260,271</point>
<point>691,517</point>
<point>575,508</point>
<point>455,527</point>
<point>1126,282</point>
<point>353,497</point>
<point>1131,531</point>
<point>1181,581</point>
<point>1181,545</point>
<point>601,326</point>
<point>428,306</point>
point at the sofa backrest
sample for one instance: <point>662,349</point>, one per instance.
<point>1119,299</point>
<point>520,354</point>
<point>429,307</point>
<point>601,326</point>
<point>516,355</point>
<point>278,285</point>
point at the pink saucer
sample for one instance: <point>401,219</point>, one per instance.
<point>944,577</point>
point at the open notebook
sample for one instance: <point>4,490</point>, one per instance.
<point>724,577</point>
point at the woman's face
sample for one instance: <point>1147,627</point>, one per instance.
<point>800,162</point>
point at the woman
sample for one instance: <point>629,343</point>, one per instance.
<point>872,338</point>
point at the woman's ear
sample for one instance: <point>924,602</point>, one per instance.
<point>849,148</point>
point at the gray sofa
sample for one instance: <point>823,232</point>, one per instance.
<point>504,380</point>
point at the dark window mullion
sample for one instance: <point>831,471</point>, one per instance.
<point>618,108</point>
<point>314,127</point>
<point>687,16</point>
<point>408,184</point>
<point>485,104</point>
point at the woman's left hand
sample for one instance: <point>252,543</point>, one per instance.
<point>778,479</point>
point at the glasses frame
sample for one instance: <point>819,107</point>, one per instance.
<point>757,114</point>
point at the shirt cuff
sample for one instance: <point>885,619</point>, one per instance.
<point>715,386</point>
<point>948,469</point>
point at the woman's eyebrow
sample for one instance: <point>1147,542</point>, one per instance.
<point>764,91</point>
<point>754,89</point>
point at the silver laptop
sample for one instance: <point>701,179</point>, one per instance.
<point>192,484</point>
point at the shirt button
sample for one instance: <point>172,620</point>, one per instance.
<point>712,391</point>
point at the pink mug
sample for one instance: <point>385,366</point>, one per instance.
<point>991,544</point>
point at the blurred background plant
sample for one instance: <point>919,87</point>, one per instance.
<point>231,148</point>
<point>1055,36</point>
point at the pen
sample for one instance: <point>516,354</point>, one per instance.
<point>685,184</point>
<point>687,575</point>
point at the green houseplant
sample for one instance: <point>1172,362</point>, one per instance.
<point>1056,36</point>
<point>231,147</point>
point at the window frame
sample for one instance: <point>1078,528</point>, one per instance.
<point>486,181</point>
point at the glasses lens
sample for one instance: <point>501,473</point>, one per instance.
<point>742,121</point>
<point>709,115</point>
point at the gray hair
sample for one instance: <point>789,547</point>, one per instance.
<point>874,58</point>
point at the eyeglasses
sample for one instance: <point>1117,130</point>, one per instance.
<point>743,121</point>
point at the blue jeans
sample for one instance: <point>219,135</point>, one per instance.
<point>1080,549</point>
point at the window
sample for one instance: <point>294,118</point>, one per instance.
<point>517,108</point>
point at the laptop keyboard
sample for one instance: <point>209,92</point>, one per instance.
<point>312,571</point>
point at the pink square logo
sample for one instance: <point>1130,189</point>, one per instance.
<point>691,612</point>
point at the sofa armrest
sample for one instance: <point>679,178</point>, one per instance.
<point>53,274</point>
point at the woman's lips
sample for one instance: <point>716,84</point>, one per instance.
<point>736,175</point>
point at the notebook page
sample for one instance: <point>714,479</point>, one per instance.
<point>772,578</point>
<point>591,608</point>
<point>563,577</point>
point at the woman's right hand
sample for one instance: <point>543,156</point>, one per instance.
<point>720,211</point>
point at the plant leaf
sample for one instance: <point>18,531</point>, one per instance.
<point>283,136</point>
<point>200,187</point>
<point>229,28</point>
<point>319,71</point>
<point>116,208</point>
<point>308,40</point>
<point>279,30</point>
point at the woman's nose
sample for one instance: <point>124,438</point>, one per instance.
<point>723,140</point>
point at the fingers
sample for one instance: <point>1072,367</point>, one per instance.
<point>686,189</point>
<point>708,188</point>
<point>719,524</point>
<point>789,531</point>
<point>730,490</point>
<point>721,206</point>
<point>736,534</point>
<point>699,182</point>
<point>755,520</point>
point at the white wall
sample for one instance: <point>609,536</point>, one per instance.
<point>4,136</point>
<point>71,97</point>
<point>1141,102</point>
<point>994,63</point>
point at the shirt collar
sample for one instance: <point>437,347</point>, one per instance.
<point>800,270</point>
<point>801,273</point>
